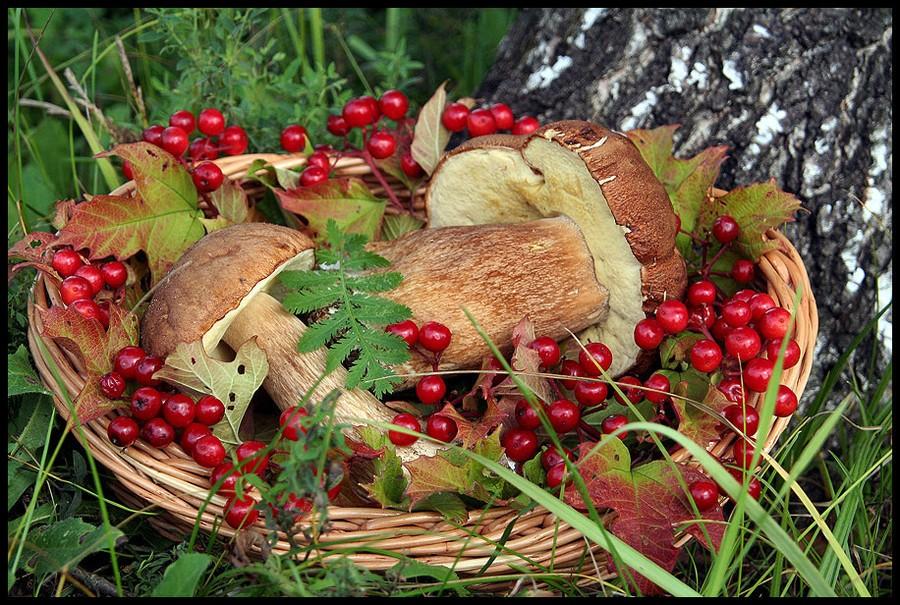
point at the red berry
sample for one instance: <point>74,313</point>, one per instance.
<point>337,126</point>
<point>706,355</point>
<point>525,125</point>
<point>434,336</point>
<point>555,475</point>
<point>757,374</point>
<point>431,389</point>
<point>192,434</point>
<point>572,368</point>
<point>146,403</point>
<point>503,116</point>
<point>520,444</point>
<point>178,410</point>
<point>547,350</point>
<point>552,457</point>
<point>295,507</point>
<point>182,119</point>
<point>743,343</point>
<point>66,262</point>
<point>454,117</point>
<point>590,393</point>
<point>791,353</point>
<point>721,329</point>
<point>564,415</point>
<point>754,487</point>
<point>725,229</point>
<point>701,315</point>
<point>122,431</point>
<point>737,313</point>
<point>293,138</point>
<point>705,495</point>
<point>207,177</point>
<point>648,334</point>
<point>410,167</point>
<point>94,276</point>
<point>393,104</point>
<point>291,420</point>
<point>158,433</point>
<point>373,106</point>
<point>743,271</point>
<point>202,149</point>
<point>732,389</point>
<point>743,453</point>
<point>672,315</point>
<point>145,370</point>
<point>745,418</point>
<point>208,451</point>
<point>153,135</point>
<point>359,112</point>
<point>320,159</point>
<point>627,385</point>
<point>256,462</point>
<point>785,401</point>
<point>594,356</point>
<point>657,382</point>
<point>127,359</point>
<point>381,145</point>
<point>226,470</point>
<point>114,273</point>
<point>75,288</point>
<point>175,141</point>
<point>127,170</point>
<point>90,310</point>
<point>480,122</point>
<point>440,427</point>
<point>234,140</point>
<point>211,122</point>
<point>613,423</point>
<point>527,416</point>
<point>774,324</point>
<point>406,421</point>
<point>313,175</point>
<point>759,304</point>
<point>744,296</point>
<point>209,410</point>
<point>240,511</point>
<point>703,291</point>
<point>407,330</point>
<point>112,384</point>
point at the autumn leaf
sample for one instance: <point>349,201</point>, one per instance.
<point>95,347</point>
<point>396,225</point>
<point>161,219</point>
<point>347,201</point>
<point>230,200</point>
<point>231,382</point>
<point>526,362</point>
<point>650,503</point>
<point>34,249</point>
<point>430,136</point>
<point>758,208</point>
<point>697,421</point>
<point>389,483</point>
<point>677,349</point>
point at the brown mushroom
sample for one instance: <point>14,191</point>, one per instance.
<point>596,177</point>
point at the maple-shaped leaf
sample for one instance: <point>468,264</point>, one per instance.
<point>96,348</point>
<point>62,212</point>
<point>230,200</point>
<point>389,483</point>
<point>231,382</point>
<point>161,219</point>
<point>472,431</point>
<point>698,404</point>
<point>651,505</point>
<point>346,201</point>
<point>34,250</point>
<point>758,208</point>
<point>526,362</point>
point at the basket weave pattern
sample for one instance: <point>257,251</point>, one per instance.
<point>169,481</point>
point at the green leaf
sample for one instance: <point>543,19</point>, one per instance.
<point>230,200</point>
<point>18,479</point>
<point>20,376</point>
<point>430,136</point>
<point>395,225</point>
<point>534,471</point>
<point>232,382</point>
<point>286,178</point>
<point>29,428</point>
<point>449,505</point>
<point>758,208</point>
<point>182,577</point>
<point>64,544</point>
<point>676,349</point>
<point>408,569</point>
<point>346,201</point>
<point>697,421</point>
<point>389,482</point>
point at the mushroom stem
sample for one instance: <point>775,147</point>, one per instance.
<point>292,374</point>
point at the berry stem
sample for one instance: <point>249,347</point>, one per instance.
<point>387,188</point>
<point>589,430</point>
<point>716,257</point>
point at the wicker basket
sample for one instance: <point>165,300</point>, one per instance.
<point>172,482</point>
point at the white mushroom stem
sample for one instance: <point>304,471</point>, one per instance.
<point>292,374</point>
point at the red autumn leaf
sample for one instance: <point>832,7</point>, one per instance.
<point>347,201</point>
<point>35,250</point>
<point>757,208</point>
<point>526,362</point>
<point>649,503</point>
<point>95,347</point>
<point>698,422</point>
<point>161,219</point>
<point>362,450</point>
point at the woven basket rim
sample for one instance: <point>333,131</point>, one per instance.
<point>170,480</point>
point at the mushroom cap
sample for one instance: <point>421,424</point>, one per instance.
<point>214,280</point>
<point>596,177</point>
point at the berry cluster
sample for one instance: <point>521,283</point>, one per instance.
<point>486,120</point>
<point>83,282</point>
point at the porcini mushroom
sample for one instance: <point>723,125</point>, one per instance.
<point>596,177</point>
